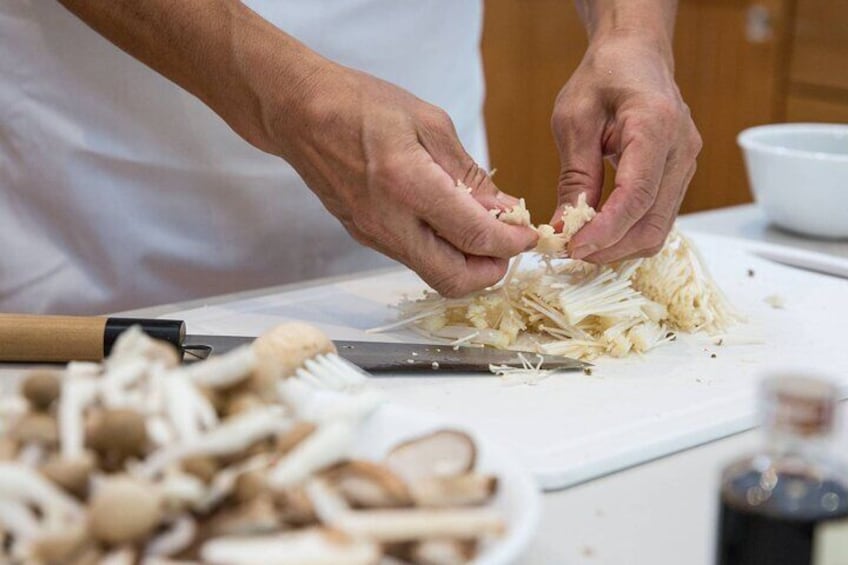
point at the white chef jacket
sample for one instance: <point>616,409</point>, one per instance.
<point>118,189</point>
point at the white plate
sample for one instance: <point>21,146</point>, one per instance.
<point>517,499</point>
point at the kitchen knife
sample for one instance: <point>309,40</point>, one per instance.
<point>378,357</point>
<point>59,339</point>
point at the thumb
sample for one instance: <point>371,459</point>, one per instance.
<point>581,164</point>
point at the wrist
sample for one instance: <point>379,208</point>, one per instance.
<point>269,83</point>
<point>645,24</point>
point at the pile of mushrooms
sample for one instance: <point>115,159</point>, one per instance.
<point>240,459</point>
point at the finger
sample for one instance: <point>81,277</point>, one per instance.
<point>463,222</point>
<point>648,236</point>
<point>448,271</point>
<point>578,132</point>
<point>637,183</point>
<point>438,136</point>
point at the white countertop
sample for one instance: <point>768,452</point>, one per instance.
<point>661,512</point>
<point>664,511</point>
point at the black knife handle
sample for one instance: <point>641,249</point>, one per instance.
<point>172,331</point>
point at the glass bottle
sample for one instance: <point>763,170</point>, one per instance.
<point>788,504</point>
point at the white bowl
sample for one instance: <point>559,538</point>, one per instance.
<point>799,175</point>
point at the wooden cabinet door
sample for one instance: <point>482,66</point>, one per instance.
<point>730,65</point>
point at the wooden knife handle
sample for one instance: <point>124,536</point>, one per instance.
<point>59,339</point>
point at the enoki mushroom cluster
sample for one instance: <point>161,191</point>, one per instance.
<point>243,458</point>
<point>578,309</point>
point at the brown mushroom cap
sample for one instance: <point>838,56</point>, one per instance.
<point>257,516</point>
<point>36,427</point>
<point>368,485</point>
<point>70,473</point>
<point>62,545</point>
<point>123,510</point>
<point>441,453</point>
<point>41,388</point>
<point>281,350</point>
<point>116,434</point>
<point>470,489</point>
<point>201,466</point>
<point>249,485</point>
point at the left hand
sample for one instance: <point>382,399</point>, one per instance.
<point>622,103</point>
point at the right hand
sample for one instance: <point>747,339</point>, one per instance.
<point>385,163</point>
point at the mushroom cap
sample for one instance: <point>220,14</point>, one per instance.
<point>70,473</point>
<point>469,489</point>
<point>368,485</point>
<point>118,433</point>
<point>123,510</point>
<point>60,546</point>
<point>249,485</point>
<point>203,467</point>
<point>258,516</point>
<point>441,453</point>
<point>36,427</point>
<point>284,348</point>
<point>41,388</point>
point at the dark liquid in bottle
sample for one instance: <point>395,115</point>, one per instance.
<point>780,530</point>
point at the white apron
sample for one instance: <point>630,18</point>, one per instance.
<point>120,190</point>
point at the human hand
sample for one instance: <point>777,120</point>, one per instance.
<point>622,104</point>
<point>386,164</point>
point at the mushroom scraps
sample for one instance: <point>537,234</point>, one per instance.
<point>575,308</point>
<point>240,459</point>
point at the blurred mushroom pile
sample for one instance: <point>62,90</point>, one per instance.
<point>242,458</point>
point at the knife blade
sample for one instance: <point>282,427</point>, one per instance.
<point>60,339</point>
<point>385,357</point>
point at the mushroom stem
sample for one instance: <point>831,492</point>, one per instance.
<point>221,371</point>
<point>18,519</point>
<point>305,547</point>
<point>77,393</point>
<point>404,524</point>
<point>325,446</point>
<point>19,483</point>
<point>118,378</point>
<point>234,435</point>
<point>173,540</point>
<point>122,556</point>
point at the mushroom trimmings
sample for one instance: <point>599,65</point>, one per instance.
<point>233,460</point>
<point>579,309</point>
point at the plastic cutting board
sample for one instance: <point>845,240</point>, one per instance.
<point>572,427</point>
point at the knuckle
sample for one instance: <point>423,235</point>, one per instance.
<point>437,119</point>
<point>696,142</point>
<point>641,197</point>
<point>654,231</point>
<point>475,239</point>
<point>450,284</point>
<point>572,182</point>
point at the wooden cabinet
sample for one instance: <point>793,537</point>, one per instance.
<point>818,75</point>
<point>738,64</point>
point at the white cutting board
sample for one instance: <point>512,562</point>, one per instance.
<point>572,427</point>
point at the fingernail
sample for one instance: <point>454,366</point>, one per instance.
<point>583,251</point>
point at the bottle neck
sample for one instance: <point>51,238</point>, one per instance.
<point>781,442</point>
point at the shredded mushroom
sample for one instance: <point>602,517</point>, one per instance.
<point>578,309</point>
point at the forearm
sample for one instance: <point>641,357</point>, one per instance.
<point>219,50</point>
<point>651,19</point>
